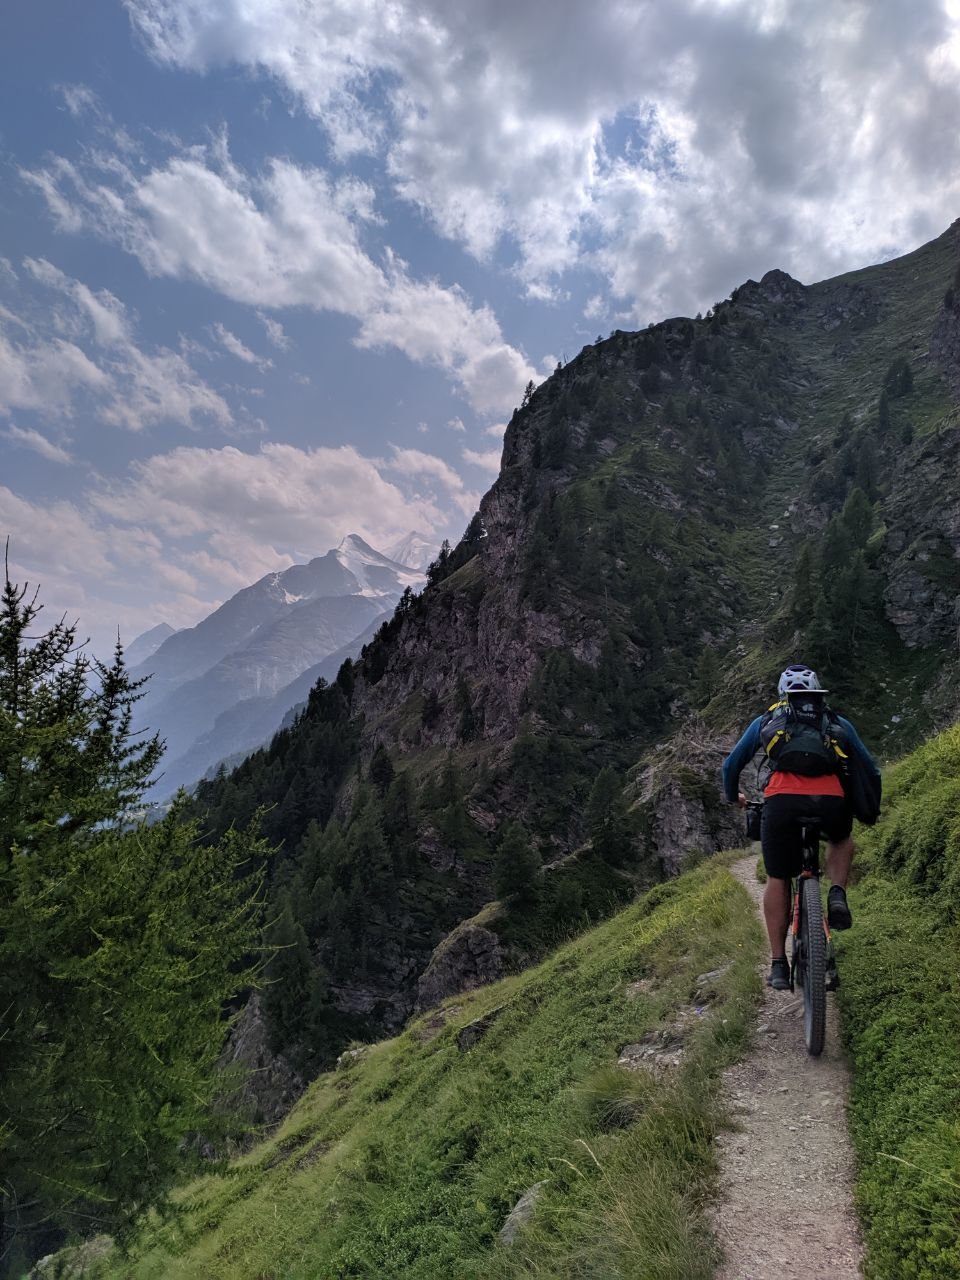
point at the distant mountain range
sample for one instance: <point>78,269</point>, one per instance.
<point>146,645</point>
<point>221,688</point>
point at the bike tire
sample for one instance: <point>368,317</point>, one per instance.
<point>813,942</point>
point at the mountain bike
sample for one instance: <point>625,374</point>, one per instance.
<point>813,966</point>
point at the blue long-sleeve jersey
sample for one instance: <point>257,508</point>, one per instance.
<point>750,744</point>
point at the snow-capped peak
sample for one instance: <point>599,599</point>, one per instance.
<point>376,574</point>
<point>353,547</point>
<point>416,550</point>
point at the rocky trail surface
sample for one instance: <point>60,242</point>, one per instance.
<point>786,1171</point>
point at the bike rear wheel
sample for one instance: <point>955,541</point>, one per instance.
<point>813,964</point>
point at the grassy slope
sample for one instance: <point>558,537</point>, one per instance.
<point>910,292</point>
<point>407,1162</point>
<point>833,371</point>
<point>901,1009</point>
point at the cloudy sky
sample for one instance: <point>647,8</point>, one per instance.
<point>273,271</point>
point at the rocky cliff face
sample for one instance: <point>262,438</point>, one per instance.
<point>479,628</point>
<point>922,546</point>
<point>270,1085</point>
<point>945,339</point>
<point>469,957</point>
<point>676,787</point>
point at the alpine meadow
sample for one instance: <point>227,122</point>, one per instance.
<point>463,934</point>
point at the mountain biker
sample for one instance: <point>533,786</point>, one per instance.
<point>789,795</point>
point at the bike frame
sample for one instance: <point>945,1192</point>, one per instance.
<point>810,869</point>
<point>813,966</point>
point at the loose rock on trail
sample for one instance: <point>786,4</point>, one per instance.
<point>786,1172</point>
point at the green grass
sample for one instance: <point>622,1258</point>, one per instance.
<point>901,1014</point>
<point>407,1162</point>
<point>900,1003</point>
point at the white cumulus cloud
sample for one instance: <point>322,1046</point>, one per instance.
<point>38,443</point>
<point>275,332</point>
<point>675,149</point>
<point>488,460</point>
<point>281,496</point>
<point>230,342</point>
<point>77,348</point>
<point>289,237</point>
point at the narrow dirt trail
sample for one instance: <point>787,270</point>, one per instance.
<point>786,1174</point>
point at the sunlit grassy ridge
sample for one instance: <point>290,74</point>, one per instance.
<point>900,999</point>
<point>407,1161</point>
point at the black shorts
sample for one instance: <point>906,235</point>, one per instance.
<point>780,832</point>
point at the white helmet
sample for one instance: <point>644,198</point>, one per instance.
<point>799,679</point>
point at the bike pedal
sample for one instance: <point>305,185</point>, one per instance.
<point>833,981</point>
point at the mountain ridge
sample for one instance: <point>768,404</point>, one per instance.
<point>147,643</point>
<point>679,512</point>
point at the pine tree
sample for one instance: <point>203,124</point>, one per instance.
<point>474,531</point>
<point>567,547</point>
<point>858,517</point>
<point>899,377</point>
<point>608,821</point>
<point>400,808</point>
<point>467,727</point>
<point>340,930</point>
<point>706,675</point>
<point>832,629</point>
<point>803,592</point>
<point>454,823</point>
<point>120,943</point>
<point>438,569</point>
<point>517,865</point>
<point>883,411</point>
<point>867,467</point>
<point>370,862</point>
<point>400,822</point>
<point>296,991</point>
<point>381,770</point>
<point>536,578</point>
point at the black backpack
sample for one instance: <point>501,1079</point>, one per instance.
<point>800,734</point>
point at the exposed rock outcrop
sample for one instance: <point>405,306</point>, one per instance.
<point>271,1086</point>
<point>522,1212</point>
<point>349,1056</point>
<point>469,957</point>
<point>677,788</point>
<point>945,343</point>
<point>73,1262</point>
<point>853,305</point>
<point>921,554</point>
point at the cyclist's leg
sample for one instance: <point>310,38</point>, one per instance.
<point>782,855</point>
<point>837,826</point>
<point>776,913</point>
<point>839,858</point>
